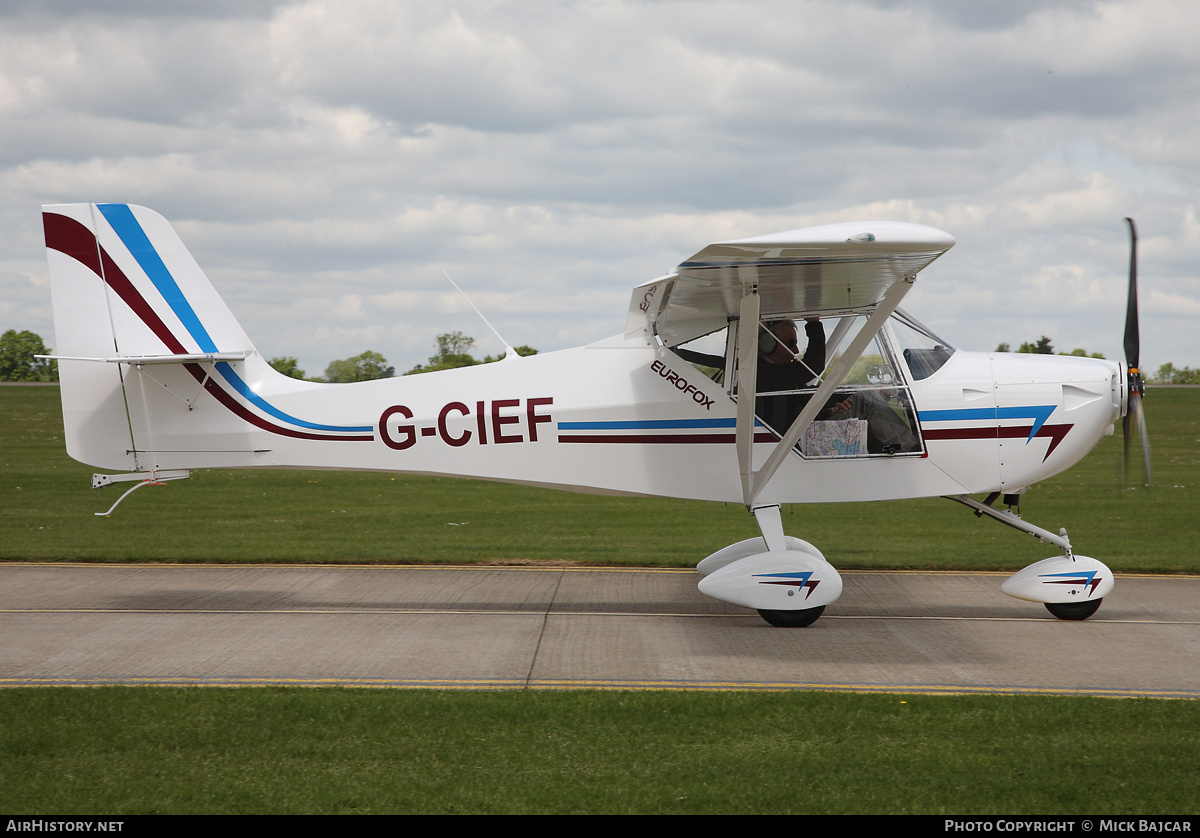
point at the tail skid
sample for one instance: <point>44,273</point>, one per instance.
<point>154,478</point>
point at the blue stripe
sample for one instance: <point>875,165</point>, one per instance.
<point>952,415</point>
<point>1038,413</point>
<point>238,384</point>
<point>131,233</point>
<point>138,243</point>
<point>648,425</point>
<point>1086,575</point>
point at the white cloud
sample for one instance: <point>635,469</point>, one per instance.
<point>325,161</point>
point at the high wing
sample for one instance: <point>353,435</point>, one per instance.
<point>834,269</point>
<point>856,268</point>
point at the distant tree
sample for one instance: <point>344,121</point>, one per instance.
<point>453,351</point>
<point>1042,347</point>
<point>453,343</point>
<point>523,351</point>
<point>16,358</point>
<point>1169,374</point>
<point>365,367</point>
<point>287,365</point>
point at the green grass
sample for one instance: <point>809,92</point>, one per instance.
<point>292,516</point>
<point>120,751</point>
<point>159,750</point>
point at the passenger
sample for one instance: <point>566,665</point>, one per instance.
<point>887,431</point>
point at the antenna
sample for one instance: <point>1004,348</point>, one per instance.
<point>509,352</point>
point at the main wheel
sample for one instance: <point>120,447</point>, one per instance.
<point>792,619</point>
<point>1074,610</point>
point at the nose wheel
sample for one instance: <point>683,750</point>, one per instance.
<point>1074,610</point>
<point>792,619</point>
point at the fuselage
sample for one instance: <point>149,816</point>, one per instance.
<point>622,417</point>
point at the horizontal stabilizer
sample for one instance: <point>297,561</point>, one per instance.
<point>139,360</point>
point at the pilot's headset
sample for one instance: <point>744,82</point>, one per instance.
<point>767,341</point>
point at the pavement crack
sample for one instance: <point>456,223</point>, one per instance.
<point>542,631</point>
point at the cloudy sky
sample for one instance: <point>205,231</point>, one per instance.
<point>325,160</point>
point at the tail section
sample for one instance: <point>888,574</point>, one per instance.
<point>155,371</point>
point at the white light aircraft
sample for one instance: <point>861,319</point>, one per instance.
<point>704,396</point>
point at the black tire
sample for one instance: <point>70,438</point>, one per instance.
<point>1074,610</point>
<point>792,619</point>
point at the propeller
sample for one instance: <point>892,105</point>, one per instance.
<point>1136,387</point>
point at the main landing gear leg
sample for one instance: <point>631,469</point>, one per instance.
<point>770,524</point>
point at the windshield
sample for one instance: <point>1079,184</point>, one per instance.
<point>923,351</point>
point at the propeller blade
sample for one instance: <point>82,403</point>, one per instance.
<point>1141,426</point>
<point>1132,338</point>
<point>1135,418</point>
<point>1134,414</point>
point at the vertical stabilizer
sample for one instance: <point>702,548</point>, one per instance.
<point>129,304</point>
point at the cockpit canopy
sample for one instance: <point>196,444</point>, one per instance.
<point>871,412</point>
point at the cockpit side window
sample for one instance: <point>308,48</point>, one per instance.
<point>872,401</point>
<point>706,353</point>
<point>869,414</point>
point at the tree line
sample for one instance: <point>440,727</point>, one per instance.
<point>1167,373</point>
<point>1044,346</point>
<point>18,361</point>
<point>453,351</point>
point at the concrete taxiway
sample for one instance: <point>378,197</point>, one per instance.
<point>555,628</point>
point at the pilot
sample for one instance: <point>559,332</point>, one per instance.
<point>780,367</point>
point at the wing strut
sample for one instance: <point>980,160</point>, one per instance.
<point>753,482</point>
<point>747,383</point>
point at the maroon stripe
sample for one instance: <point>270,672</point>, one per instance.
<point>965,433</point>
<point>67,235</point>
<point>1055,433</point>
<point>238,409</point>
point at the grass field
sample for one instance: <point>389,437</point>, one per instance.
<point>331,751</point>
<point>292,516</point>
<point>179,750</point>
